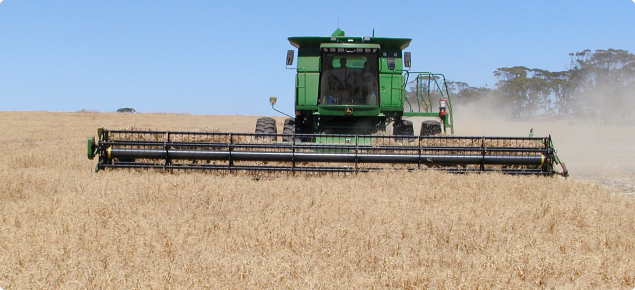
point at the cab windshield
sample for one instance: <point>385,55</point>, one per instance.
<point>349,79</point>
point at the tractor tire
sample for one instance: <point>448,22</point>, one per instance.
<point>430,128</point>
<point>403,128</point>
<point>289,130</point>
<point>266,125</point>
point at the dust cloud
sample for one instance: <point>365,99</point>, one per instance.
<point>591,151</point>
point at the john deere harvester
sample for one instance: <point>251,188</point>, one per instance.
<point>349,92</point>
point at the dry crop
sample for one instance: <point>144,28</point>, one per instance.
<point>67,227</point>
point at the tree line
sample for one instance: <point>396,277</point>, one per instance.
<point>598,84</point>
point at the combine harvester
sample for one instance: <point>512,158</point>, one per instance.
<point>348,91</point>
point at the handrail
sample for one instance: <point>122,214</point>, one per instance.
<point>424,98</point>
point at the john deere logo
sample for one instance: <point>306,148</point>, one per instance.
<point>348,111</point>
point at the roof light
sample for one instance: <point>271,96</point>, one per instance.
<point>366,38</point>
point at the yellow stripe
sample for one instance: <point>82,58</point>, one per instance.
<point>108,152</point>
<point>542,159</point>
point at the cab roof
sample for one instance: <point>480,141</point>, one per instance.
<point>316,41</point>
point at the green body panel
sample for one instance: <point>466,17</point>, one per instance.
<point>306,108</point>
<point>383,65</point>
<point>355,110</point>
<point>350,45</point>
<point>307,89</point>
<point>91,150</point>
<point>343,140</point>
<point>309,64</point>
<point>346,84</point>
<point>390,92</point>
<point>420,114</point>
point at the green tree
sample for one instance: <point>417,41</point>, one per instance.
<point>513,87</point>
<point>541,91</point>
<point>562,91</point>
<point>464,93</point>
<point>598,84</point>
<point>604,83</point>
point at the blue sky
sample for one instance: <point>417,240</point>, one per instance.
<point>227,57</point>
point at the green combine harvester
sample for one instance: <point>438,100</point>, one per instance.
<point>349,92</point>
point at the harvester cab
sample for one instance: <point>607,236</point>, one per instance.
<point>358,85</point>
<point>348,90</point>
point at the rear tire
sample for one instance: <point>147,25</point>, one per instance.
<point>266,125</point>
<point>430,127</point>
<point>403,128</point>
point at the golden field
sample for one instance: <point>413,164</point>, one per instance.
<point>66,227</point>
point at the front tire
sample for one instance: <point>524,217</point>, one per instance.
<point>289,130</point>
<point>430,128</point>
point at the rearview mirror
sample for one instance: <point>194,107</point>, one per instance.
<point>289,57</point>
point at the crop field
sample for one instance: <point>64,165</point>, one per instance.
<point>64,226</point>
